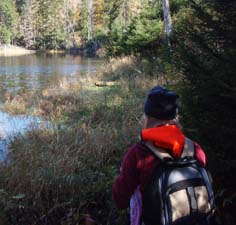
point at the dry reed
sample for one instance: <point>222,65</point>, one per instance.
<point>76,161</point>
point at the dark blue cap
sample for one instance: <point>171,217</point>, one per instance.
<point>161,103</point>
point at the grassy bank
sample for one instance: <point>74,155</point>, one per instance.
<point>62,174</point>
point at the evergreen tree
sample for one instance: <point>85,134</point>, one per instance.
<point>48,23</point>
<point>8,21</point>
<point>204,47</point>
<point>20,4</point>
<point>143,29</point>
<point>27,26</point>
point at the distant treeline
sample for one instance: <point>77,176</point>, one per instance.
<point>63,24</point>
<point>122,26</point>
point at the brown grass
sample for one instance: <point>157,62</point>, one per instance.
<point>76,161</point>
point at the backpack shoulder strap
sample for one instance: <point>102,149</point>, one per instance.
<point>160,153</point>
<point>189,149</point>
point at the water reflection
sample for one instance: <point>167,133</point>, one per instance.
<point>10,126</point>
<point>35,72</point>
<point>30,72</point>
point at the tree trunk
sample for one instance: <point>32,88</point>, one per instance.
<point>90,19</point>
<point>167,17</point>
<point>124,15</point>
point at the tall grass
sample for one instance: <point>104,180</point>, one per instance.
<point>65,172</point>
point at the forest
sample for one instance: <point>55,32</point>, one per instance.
<point>65,174</point>
<point>61,24</point>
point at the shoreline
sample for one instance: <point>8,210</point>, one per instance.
<point>12,50</point>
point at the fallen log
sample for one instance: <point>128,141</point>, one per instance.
<point>104,83</point>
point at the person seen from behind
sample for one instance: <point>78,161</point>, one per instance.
<point>162,178</point>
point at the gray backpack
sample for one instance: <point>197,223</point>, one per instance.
<point>180,191</point>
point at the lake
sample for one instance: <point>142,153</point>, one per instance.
<point>35,72</point>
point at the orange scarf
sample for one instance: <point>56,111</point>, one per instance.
<point>169,137</point>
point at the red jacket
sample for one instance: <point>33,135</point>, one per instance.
<point>139,162</point>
